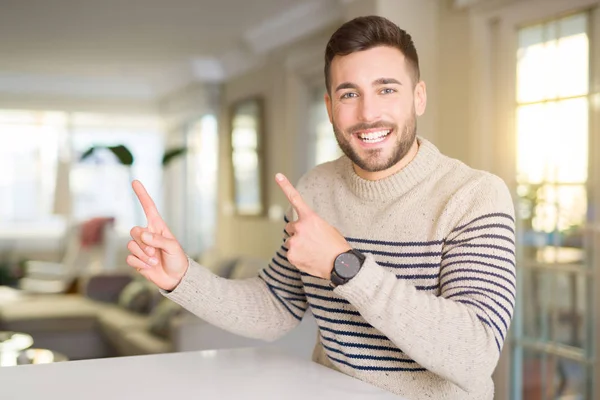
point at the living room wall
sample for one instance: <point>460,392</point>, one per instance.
<point>275,81</point>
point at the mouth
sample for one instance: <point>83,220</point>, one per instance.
<point>373,137</point>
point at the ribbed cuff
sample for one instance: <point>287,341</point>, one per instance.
<point>189,282</point>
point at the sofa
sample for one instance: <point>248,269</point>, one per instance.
<point>124,315</point>
<point>94,324</point>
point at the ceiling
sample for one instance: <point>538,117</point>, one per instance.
<point>142,48</point>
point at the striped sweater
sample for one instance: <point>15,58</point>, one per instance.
<point>427,315</point>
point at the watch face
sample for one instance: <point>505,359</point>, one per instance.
<point>347,265</point>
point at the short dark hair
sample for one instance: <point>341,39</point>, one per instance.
<point>364,33</point>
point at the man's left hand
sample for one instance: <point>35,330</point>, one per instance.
<point>313,244</point>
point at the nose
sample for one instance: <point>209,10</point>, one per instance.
<point>368,109</point>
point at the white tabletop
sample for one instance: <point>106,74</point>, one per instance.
<point>257,373</point>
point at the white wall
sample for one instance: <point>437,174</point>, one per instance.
<point>421,20</point>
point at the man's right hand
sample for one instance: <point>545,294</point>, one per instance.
<point>155,253</point>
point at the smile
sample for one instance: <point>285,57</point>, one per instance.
<point>374,137</point>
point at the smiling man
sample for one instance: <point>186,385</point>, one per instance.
<point>405,257</point>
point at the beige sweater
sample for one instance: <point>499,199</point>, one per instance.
<point>427,315</point>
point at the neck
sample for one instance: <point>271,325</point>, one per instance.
<point>378,175</point>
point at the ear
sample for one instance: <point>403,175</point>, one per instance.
<point>420,96</point>
<point>328,105</point>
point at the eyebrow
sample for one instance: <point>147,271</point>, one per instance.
<point>380,81</point>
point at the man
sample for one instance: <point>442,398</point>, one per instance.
<point>405,257</point>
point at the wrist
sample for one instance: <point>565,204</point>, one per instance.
<point>176,280</point>
<point>346,266</point>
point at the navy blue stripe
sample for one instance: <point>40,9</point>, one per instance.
<point>281,300</point>
<point>389,254</point>
<point>395,244</point>
<point>484,236</point>
<point>316,286</point>
<point>295,271</point>
<point>474,280</point>
<point>431,276</point>
<point>282,257</point>
<point>327,298</point>
<point>282,274</point>
<point>492,309</point>
<point>511,262</point>
<point>361,345</point>
<point>485,246</point>
<point>473,304</point>
<point>367,357</point>
<point>488,320</point>
<point>503,215</point>
<point>396,265</point>
<point>373,368</point>
<point>285,218</point>
<point>287,291</point>
<point>354,334</point>
<point>284,248</point>
<point>333,310</point>
<point>266,271</point>
<point>482,293</point>
<point>291,303</point>
<point>507,270</point>
<point>485,321</point>
<point>432,287</point>
<point>343,322</point>
<point>509,301</point>
<point>474,271</point>
<point>489,226</point>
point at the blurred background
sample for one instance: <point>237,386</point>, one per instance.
<point>205,100</point>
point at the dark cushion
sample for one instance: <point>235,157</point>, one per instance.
<point>160,318</point>
<point>136,297</point>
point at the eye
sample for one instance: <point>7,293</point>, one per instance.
<point>349,95</point>
<point>388,91</point>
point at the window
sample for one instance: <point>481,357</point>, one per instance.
<point>202,141</point>
<point>28,161</point>
<point>552,123</point>
<point>247,137</point>
<point>552,352</point>
<point>101,185</point>
<point>36,143</point>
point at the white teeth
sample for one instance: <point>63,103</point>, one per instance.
<point>374,137</point>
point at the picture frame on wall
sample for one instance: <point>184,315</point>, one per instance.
<point>247,158</point>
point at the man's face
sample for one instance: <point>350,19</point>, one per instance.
<point>373,107</point>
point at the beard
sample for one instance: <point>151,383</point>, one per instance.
<point>375,160</point>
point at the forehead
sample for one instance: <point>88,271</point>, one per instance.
<point>368,65</point>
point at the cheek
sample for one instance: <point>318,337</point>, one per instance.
<point>344,115</point>
<point>400,111</point>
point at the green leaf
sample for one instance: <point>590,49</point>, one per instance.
<point>121,152</point>
<point>172,154</point>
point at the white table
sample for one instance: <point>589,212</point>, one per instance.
<point>253,373</point>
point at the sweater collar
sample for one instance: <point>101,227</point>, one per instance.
<point>424,162</point>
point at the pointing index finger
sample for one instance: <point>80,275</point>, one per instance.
<point>292,195</point>
<point>147,203</point>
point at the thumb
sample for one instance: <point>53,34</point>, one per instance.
<point>169,246</point>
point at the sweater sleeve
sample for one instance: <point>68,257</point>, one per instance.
<point>459,334</point>
<point>264,307</point>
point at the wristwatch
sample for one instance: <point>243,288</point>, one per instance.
<point>346,266</point>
